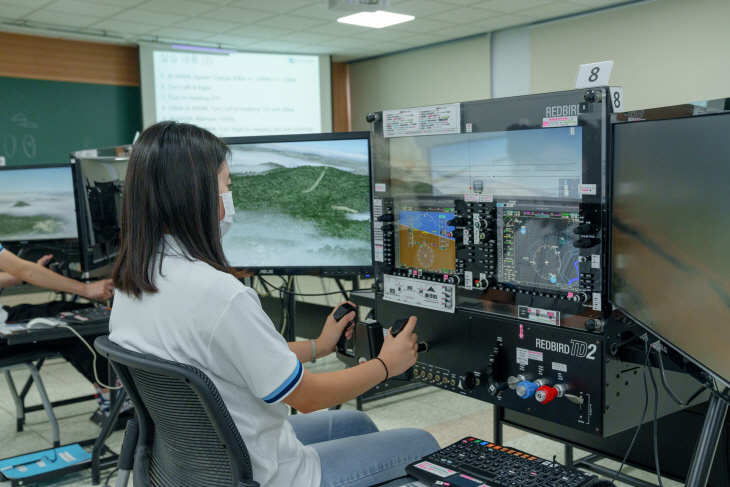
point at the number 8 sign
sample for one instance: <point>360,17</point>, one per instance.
<point>595,74</point>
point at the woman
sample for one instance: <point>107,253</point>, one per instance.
<point>178,299</point>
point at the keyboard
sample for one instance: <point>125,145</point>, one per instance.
<point>86,316</point>
<point>472,462</point>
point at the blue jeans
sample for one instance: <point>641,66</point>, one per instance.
<point>354,453</point>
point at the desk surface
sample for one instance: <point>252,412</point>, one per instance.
<point>47,334</point>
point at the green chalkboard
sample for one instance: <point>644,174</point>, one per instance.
<point>41,122</point>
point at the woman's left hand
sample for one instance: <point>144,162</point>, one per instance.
<point>332,331</point>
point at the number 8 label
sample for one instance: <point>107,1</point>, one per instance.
<point>594,74</point>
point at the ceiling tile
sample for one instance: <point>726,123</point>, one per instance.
<point>463,15</point>
<point>503,22</point>
<point>277,6</point>
<point>460,31</point>
<point>596,3</point>
<point>553,10</point>
<point>174,33</point>
<point>306,38</point>
<point>320,11</point>
<point>83,8</point>
<point>319,50</point>
<point>422,40</point>
<point>13,11</point>
<point>509,6</point>
<point>421,26</point>
<point>149,17</point>
<point>208,25</point>
<point>290,22</point>
<point>232,40</point>
<point>384,35</point>
<point>123,27</point>
<point>184,7</point>
<point>339,29</point>
<point>241,15</point>
<point>58,18</point>
<point>351,43</point>
<point>31,4</point>
<point>419,8</point>
<point>274,45</point>
<point>259,31</point>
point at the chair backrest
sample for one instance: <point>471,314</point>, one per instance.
<point>187,437</point>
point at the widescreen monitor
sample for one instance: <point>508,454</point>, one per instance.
<point>670,232</point>
<point>37,204</point>
<point>303,204</point>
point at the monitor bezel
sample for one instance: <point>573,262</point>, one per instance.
<point>721,106</point>
<point>322,271</point>
<point>68,243</point>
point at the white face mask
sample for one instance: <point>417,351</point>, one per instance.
<point>227,222</point>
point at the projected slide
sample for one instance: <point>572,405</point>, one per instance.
<point>239,94</point>
<point>300,204</point>
<point>37,204</point>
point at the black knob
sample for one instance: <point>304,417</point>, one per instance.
<point>456,222</point>
<point>483,224</point>
<point>585,229</point>
<point>495,388</point>
<point>485,235</point>
<point>468,381</point>
<point>593,96</point>
<point>372,117</point>
<point>483,283</point>
<point>586,243</point>
<point>581,297</point>
<point>387,228</point>
<point>592,325</point>
<point>453,280</point>
<point>385,218</point>
<point>455,234</point>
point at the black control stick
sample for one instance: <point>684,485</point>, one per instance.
<point>340,313</point>
<point>398,327</point>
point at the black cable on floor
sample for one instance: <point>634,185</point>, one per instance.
<point>656,407</point>
<point>106,484</point>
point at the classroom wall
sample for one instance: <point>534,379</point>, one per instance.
<point>453,72</point>
<point>665,52</point>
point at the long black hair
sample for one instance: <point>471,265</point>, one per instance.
<point>171,188</point>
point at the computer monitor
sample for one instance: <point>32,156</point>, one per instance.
<point>303,204</point>
<point>37,204</point>
<point>670,232</point>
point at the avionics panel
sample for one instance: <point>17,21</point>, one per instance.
<point>670,268</point>
<point>424,238</point>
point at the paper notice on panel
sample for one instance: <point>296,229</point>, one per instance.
<point>432,120</point>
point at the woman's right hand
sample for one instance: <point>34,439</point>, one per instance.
<point>401,352</point>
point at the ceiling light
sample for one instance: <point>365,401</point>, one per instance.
<point>376,20</point>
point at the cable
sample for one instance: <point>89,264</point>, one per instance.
<point>93,352</point>
<point>683,404</point>
<point>638,428</point>
<point>109,477</point>
<point>300,294</point>
<point>656,406</point>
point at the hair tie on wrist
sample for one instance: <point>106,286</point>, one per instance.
<point>387,374</point>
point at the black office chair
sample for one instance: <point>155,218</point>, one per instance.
<point>186,438</point>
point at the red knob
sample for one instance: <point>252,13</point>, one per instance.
<point>545,394</point>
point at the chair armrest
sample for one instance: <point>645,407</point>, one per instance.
<point>248,483</point>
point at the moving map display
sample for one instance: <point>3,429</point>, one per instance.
<point>37,204</point>
<point>422,241</point>
<point>300,204</point>
<point>536,249</point>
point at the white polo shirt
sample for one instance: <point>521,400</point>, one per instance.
<point>3,313</point>
<point>207,318</point>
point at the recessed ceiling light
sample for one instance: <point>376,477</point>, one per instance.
<point>376,20</point>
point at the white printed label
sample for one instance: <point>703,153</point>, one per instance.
<point>522,357</point>
<point>380,188</point>
<point>587,188</point>
<point>560,367</point>
<point>431,120</point>
<point>471,197</point>
<point>594,74</point>
<point>67,456</point>
<point>596,302</point>
<point>379,253</point>
<point>616,98</point>
<point>86,153</point>
<point>560,121</point>
<point>433,469</point>
<point>416,292</point>
<point>468,128</point>
<point>595,261</point>
<point>534,355</point>
<point>468,276</point>
<point>485,198</point>
<point>2,161</point>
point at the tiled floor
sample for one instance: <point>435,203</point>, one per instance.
<point>447,416</point>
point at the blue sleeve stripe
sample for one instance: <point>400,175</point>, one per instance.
<point>289,384</point>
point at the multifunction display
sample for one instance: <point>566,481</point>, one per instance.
<point>423,238</point>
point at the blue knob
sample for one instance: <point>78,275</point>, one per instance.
<point>526,389</point>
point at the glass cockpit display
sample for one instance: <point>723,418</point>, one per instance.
<point>425,239</point>
<point>535,248</point>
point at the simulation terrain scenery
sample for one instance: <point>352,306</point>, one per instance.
<point>37,204</point>
<point>300,204</point>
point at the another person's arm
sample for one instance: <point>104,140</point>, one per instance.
<point>8,280</point>
<point>40,276</point>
